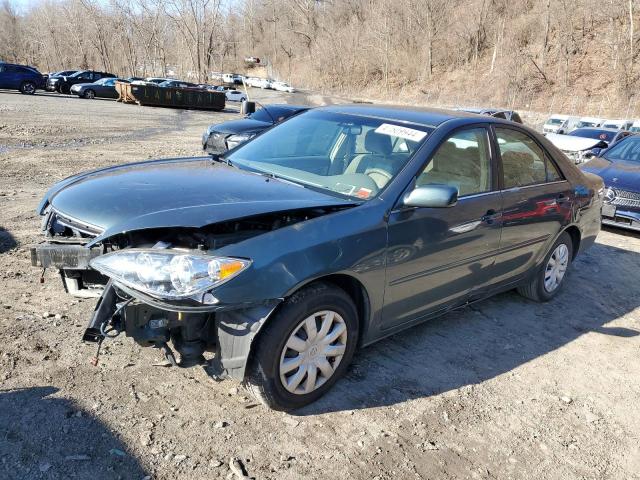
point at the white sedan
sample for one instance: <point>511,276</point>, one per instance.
<point>283,87</point>
<point>235,96</point>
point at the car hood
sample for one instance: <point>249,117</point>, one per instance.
<point>616,173</point>
<point>240,126</point>
<point>189,193</point>
<point>569,143</point>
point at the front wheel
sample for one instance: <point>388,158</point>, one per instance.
<point>305,348</point>
<point>28,88</point>
<point>548,279</point>
<point>89,94</point>
<point>66,89</point>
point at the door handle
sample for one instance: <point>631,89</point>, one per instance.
<point>490,216</point>
<point>562,198</point>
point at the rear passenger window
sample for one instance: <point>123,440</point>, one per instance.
<point>461,161</point>
<point>523,160</point>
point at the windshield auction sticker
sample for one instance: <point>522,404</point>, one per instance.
<point>402,132</point>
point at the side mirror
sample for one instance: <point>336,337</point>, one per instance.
<point>247,107</point>
<point>431,196</point>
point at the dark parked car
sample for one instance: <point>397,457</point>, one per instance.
<point>177,84</point>
<point>63,84</point>
<point>331,230</point>
<point>50,86</point>
<point>227,135</point>
<point>495,112</point>
<point>20,77</point>
<point>619,167</point>
<point>103,88</point>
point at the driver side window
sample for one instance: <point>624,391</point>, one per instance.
<point>462,161</point>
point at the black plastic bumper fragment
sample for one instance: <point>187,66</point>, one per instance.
<point>236,330</point>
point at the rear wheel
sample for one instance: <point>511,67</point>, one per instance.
<point>305,348</point>
<point>28,88</point>
<point>548,279</point>
<point>90,94</point>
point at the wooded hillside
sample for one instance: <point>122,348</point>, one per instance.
<point>562,55</point>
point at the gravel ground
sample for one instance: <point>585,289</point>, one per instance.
<point>503,389</point>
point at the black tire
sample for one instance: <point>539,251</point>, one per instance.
<point>66,89</point>
<point>89,94</point>
<point>535,290</point>
<point>262,378</point>
<point>28,88</point>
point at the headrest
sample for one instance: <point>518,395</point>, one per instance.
<point>377,143</point>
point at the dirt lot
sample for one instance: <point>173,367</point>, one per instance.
<point>503,389</point>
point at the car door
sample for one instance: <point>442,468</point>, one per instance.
<point>537,201</point>
<point>11,79</point>
<point>109,88</point>
<point>4,76</point>
<point>437,256</point>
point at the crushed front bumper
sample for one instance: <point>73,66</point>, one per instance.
<point>72,260</point>
<point>228,332</point>
<point>62,256</point>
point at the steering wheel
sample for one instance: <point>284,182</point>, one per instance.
<point>379,176</point>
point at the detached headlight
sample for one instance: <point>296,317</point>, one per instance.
<point>168,274</point>
<point>235,140</point>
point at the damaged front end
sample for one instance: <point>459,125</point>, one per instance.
<point>226,333</point>
<point>158,286</point>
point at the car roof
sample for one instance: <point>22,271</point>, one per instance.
<point>430,117</point>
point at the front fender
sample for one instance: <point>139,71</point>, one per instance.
<point>351,242</point>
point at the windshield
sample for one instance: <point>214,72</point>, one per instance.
<point>341,154</point>
<point>635,129</point>
<point>104,81</point>
<point>611,125</point>
<point>595,134</point>
<point>555,121</point>
<point>586,123</point>
<point>627,149</point>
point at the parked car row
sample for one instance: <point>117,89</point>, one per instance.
<point>582,138</point>
<point>609,148</point>
<point>565,124</point>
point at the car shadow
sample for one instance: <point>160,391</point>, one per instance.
<point>489,338</point>
<point>7,242</point>
<point>45,436</point>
